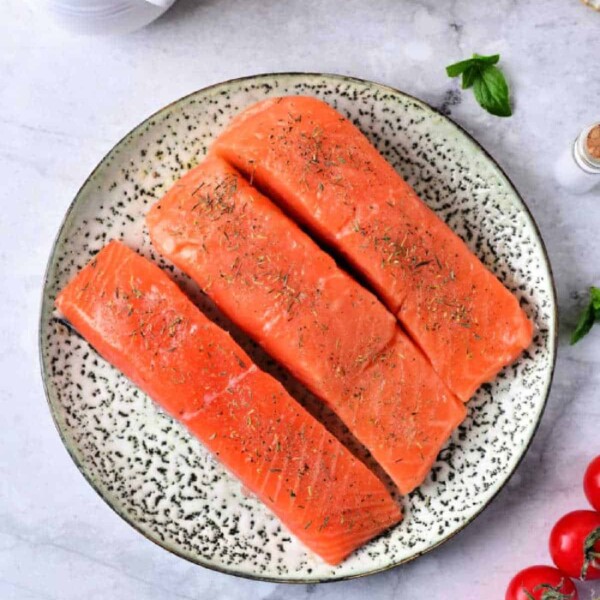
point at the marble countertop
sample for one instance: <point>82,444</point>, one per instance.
<point>66,100</point>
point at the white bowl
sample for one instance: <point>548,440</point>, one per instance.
<point>102,17</point>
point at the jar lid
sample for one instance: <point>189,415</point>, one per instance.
<point>592,143</point>
<point>586,149</point>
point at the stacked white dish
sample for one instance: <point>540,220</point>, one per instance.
<point>102,17</point>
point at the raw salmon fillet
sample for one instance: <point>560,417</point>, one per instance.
<point>142,323</point>
<point>273,281</point>
<point>323,170</point>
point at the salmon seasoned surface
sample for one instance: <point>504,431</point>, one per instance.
<point>318,166</point>
<point>143,324</point>
<point>335,336</point>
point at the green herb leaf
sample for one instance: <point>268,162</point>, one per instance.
<point>488,82</point>
<point>460,67</point>
<point>492,59</point>
<point>469,77</point>
<point>491,91</point>
<point>588,317</point>
<point>584,325</point>
<point>477,61</point>
<point>595,299</point>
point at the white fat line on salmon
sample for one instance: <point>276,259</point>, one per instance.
<point>305,465</point>
<point>271,322</point>
<point>323,280</point>
<point>232,382</point>
<point>349,228</point>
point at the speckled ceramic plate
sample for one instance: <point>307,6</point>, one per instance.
<point>162,481</point>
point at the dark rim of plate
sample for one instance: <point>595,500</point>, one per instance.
<point>298,75</point>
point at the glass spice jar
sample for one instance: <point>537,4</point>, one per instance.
<point>578,168</point>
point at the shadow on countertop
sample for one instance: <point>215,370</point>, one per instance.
<point>183,10</point>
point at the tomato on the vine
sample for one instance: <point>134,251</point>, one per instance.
<point>591,483</point>
<point>541,583</point>
<point>575,544</point>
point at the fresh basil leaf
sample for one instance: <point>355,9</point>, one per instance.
<point>491,91</point>
<point>487,60</point>
<point>469,77</point>
<point>584,325</point>
<point>477,60</point>
<point>588,316</point>
<point>595,300</point>
<point>460,67</point>
<point>488,82</point>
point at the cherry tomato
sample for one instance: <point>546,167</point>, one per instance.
<point>541,583</point>
<point>591,483</point>
<point>575,544</point>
